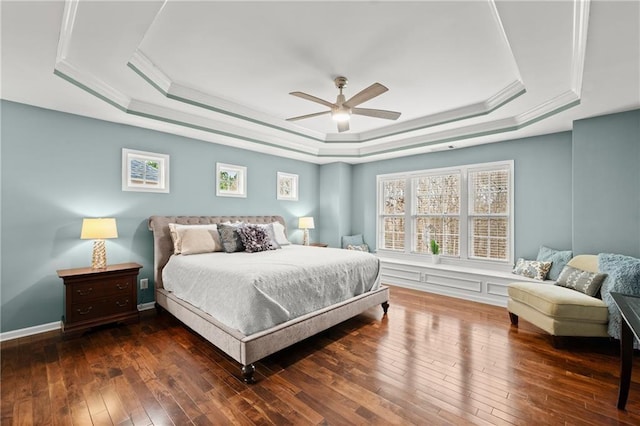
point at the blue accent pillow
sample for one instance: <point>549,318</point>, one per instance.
<point>352,240</point>
<point>558,259</point>
<point>623,276</point>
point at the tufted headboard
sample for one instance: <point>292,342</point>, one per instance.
<point>163,246</point>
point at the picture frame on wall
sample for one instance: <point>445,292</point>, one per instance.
<point>145,171</point>
<point>231,180</point>
<point>287,186</point>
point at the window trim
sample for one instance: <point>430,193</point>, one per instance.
<point>464,258</point>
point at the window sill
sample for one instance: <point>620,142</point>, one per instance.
<point>471,283</point>
<point>425,259</point>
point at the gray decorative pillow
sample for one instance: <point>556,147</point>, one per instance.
<point>557,258</point>
<point>231,241</point>
<point>532,269</point>
<point>361,247</point>
<point>585,282</point>
<point>255,238</point>
<point>352,240</point>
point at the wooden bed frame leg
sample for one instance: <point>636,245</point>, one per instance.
<point>247,373</point>
<point>385,307</point>
<point>514,318</point>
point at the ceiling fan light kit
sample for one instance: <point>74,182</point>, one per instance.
<point>342,109</point>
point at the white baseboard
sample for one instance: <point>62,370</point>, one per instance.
<point>43,328</point>
<point>30,331</point>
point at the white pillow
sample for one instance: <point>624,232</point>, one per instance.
<point>196,241</point>
<point>281,238</point>
<point>177,229</point>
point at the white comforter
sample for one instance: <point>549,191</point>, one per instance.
<point>255,291</point>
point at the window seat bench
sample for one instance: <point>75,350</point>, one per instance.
<point>479,285</point>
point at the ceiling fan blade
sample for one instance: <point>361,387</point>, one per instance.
<point>343,126</point>
<point>302,117</point>
<point>364,95</point>
<point>377,113</point>
<point>314,99</point>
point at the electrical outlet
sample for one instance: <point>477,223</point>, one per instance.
<point>144,283</point>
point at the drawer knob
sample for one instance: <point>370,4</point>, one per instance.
<point>85,312</point>
<point>122,287</point>
<point>85,292</point>
<point>121,304</point>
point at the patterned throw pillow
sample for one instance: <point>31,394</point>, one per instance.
<point>361,247</point>
<point>255,238</point>
<point>271,234</point>
<point>557,258</point>
<point>585,282</point>
<point>532,269</point>
<point>231,241</point>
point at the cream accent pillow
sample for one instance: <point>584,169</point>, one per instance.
<point>177,231</point>
<point>196,241</point>
<point>281,238</point>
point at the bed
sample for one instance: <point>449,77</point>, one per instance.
<point>254,344</point>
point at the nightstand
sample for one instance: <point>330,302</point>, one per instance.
<point>319,244</point>
<point>96,297</point>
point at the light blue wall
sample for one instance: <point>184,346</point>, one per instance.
<point>58,168</point>
<point>542,187</point>
<point>335,203</point>
<point>606,189</point>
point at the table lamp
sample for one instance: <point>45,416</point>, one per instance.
<point>305,223</point>
<point>99,230</point>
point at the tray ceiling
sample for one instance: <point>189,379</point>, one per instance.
<point>461,73</point>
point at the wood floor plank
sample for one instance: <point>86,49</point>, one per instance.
<point>432,360</point>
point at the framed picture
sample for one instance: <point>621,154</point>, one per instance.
<point>231,181</point>
<point>287,186</point>
<point>144,171</point>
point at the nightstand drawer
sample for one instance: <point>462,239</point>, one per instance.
<point>99,308</point>
<point>96,289</point>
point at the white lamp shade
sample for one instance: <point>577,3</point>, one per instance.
<point>305,223</point>
<point>98,229</point>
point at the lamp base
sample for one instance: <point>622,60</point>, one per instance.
<point>99,257</point>
<point>305,238</point>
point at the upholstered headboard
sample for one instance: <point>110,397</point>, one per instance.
<point>163,246</point>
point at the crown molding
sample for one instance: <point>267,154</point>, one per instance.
<point>580,29</point>
<point>66,29</point>
<point>256,131</point>
<point>154,76</point>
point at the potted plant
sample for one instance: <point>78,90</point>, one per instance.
<point>435,251</point>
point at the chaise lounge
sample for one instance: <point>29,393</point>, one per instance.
<point>560,311</point>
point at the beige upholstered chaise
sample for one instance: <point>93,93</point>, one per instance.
<point>560,311</point>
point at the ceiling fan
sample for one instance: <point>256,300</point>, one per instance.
<point>341,110</point>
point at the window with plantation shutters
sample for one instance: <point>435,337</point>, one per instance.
<point>437,212</point>
<point>467,210</point>
<point>489,213</point>
<point>392,217</point>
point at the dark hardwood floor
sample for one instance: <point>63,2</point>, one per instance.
<point>432,360</point>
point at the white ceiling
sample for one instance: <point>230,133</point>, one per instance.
<point>461,72</point>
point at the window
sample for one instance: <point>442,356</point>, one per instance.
<point>468,210</point>
<point>393,208</point>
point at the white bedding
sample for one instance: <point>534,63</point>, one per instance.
<point>252,292</point>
